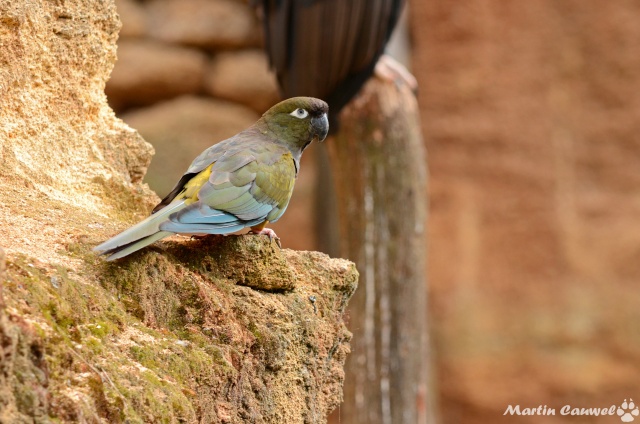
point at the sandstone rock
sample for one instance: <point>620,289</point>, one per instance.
<point>204,23</point>
<point>168,336</point>
<point>3,267</point>
<point>23,371</point>
<point>243,77</point>
<point>157,337</point>
<point>133,17</point>
<point>181,129</point>
<point>148,71</point>
<point>59,137</point>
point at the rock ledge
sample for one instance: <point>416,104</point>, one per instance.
<point>221,330</point>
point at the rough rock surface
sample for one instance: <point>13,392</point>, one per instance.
<point>242,77</point>
<point>61,144</point>
<point>176,334</point>
<point>149,71</point>
<point>181,129</point>
<point>217,330</point>
<point>530,117</point>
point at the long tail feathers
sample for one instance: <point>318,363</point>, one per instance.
<point>122,251</point>
<point>140,235</point>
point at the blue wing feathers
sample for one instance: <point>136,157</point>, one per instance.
<point>177,227</point>
<point>199,213</point>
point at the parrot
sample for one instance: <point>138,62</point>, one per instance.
<point>245,181</point>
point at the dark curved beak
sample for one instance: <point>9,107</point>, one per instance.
<point>320,126</point>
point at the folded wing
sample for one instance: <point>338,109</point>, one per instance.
<point>239,193</point>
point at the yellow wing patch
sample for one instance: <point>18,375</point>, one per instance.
<point>192,187</point>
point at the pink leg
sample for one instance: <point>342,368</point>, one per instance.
<point>268,232</point>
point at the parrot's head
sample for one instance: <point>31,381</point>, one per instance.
<point>298,121</point>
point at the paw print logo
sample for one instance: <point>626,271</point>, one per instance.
<point>627,411</point>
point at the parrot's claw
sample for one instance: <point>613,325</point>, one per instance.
<point>268,232</point>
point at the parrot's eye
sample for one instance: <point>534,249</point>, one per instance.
<point>300,113</point>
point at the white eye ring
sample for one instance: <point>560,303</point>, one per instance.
<point>300,113</point>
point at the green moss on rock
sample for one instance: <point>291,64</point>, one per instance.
<point>179,333</point>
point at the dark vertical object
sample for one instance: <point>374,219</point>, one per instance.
<point>379,161</point>
<point>326,48</point>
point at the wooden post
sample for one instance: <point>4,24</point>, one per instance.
<point>379,164</point>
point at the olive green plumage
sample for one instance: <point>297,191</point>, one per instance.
<point>244,181</point>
